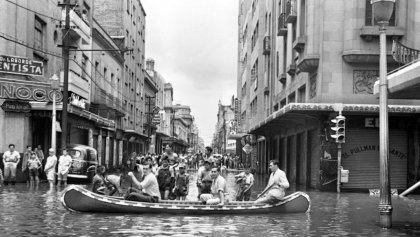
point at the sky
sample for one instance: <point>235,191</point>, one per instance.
<point>194,45</point>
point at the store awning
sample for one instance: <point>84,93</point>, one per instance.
<point>297,113</point>
<point>236,136</point>
<point>77,111</point>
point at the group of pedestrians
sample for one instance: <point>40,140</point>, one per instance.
<point>34,165</point>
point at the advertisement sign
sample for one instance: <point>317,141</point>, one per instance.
<point>27,90</point>
<point>19,65</point>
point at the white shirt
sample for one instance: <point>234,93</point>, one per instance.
<point>278,179</point>
<point>51,163</point>
<point>9,156</point>
<point>64,164</point>
<point>150,185</point>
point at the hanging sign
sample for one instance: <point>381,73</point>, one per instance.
<point>16,106</point>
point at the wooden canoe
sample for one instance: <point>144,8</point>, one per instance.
<point>76,198</point>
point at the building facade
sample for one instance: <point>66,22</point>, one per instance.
<point>301,63</point>
<point>224,128</point>
<point>125,22</point>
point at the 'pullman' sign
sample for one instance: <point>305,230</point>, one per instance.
<point>18,65</point>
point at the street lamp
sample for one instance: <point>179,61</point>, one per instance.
<point>55,81</point>
<point>382,10</point>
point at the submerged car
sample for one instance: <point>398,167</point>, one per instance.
<point>85,160</point>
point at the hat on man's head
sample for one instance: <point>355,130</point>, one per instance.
<point>182,165</point>
<point>51,150</point>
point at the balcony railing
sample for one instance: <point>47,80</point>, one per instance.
<point>403,54</point>
<point>291,10</point>
<point>282,26</point>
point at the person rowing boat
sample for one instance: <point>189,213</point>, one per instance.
<point>276,186</point>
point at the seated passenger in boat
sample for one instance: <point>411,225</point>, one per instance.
<point>277,183</point>
<point>148,188</point>
<point>218,189</point>
<point>106,184</point>
<point>203,172</point>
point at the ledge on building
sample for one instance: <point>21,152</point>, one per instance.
<point>368,32</point>
<point>365,56</point>
<point>309,63</point>
<point>283,78</point>
<point>299,44</point>
<point>291,69</point>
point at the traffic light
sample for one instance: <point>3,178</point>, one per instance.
<point>339,128</point>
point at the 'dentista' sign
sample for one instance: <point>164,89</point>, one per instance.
<point>28,90</point>
<point>18,65</point>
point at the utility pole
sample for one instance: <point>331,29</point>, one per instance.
<point>65,53</point>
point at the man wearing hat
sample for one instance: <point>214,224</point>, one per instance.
<point>182,181</point>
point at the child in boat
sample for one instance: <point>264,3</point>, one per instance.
<point>245,181</point>
<point>182,181</point>
<point>33,165</point>
<point>164,179</point>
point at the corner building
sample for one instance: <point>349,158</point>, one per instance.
<point>300,62</point>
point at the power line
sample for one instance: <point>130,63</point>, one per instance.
<point>25,44</point>
<point>30,10</point>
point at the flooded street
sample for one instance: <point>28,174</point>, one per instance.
<point>30,212</point>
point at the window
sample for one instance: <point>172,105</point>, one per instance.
<point>39,33</point>
<point>292,98</point>
<point>128,6</point>
<point>254,37</point>
<point>84,66</point>
<point>254,74</point>
<point>370,19</point>
<point>302,95</point>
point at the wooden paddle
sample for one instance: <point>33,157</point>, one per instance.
<point>266,190</point>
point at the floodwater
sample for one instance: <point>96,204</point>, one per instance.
<point>26,211</point>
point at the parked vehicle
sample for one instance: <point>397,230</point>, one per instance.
<point>85,160</point>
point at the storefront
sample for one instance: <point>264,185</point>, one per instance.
<point>300,138</point>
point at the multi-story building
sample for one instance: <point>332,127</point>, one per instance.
<point>94,110</point>
<point>224,127</point>
<point>158,119</point>
<point>303,62</point>
<point>124,21</point>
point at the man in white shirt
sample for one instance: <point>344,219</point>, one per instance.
<point>149,187</point>
<point>218,189</point>
<point>64,164</point>
<point>50,167</point>
<point>10,160</point>
<point>276,185</point>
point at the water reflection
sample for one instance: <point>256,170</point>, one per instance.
<point>31,211</point>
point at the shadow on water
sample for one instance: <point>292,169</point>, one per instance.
<point>31,211</point>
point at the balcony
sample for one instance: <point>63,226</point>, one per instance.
<point>291,10</point>
<point>369,32</point>
<point>77,84</point>
<point>309,63</point>
<point>79,28</point>
<point>267,45</point>
<point>282,26</point>
<point>299,44</point>
<point>291,69</point>
<point>403,54</point>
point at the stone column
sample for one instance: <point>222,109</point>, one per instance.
<point>107,145</point>
<point>114,155</point>
<point>90,137</point>
<point>100,147</point>
<point>120,154</point>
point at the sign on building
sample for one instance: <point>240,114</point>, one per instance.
<point>27,90</point>
<point>19,65</point>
